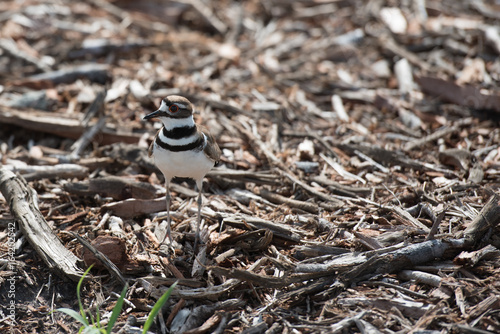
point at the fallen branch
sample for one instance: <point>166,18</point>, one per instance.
<point>94,72</point>
<point>61,171</point>
<point>276,198</point>
<point>365,265</point>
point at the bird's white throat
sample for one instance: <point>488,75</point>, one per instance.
<point>172,123</point>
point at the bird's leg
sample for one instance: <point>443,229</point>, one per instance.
<point>167,199</point>
<point>197,235</point>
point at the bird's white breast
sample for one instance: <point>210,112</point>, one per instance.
<point>191,164</point>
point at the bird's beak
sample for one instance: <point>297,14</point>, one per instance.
<point>154,114</point>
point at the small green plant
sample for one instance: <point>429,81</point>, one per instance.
<point>94,326</point>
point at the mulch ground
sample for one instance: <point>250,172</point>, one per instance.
<point>358,189</point>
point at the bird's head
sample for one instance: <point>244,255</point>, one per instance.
<point>172,106</point>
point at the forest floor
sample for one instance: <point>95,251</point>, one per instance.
<point>358,189</point>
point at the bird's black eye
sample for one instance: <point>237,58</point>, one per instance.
<point>174,108</point>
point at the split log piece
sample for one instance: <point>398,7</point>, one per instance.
<point>406,257</point>
<point>488,218</point>
<point>472,258</point>
<point>444,131</point>
<point>344,325</point>
<point>261,280</point>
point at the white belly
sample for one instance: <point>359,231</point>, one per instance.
<point>190,164</point>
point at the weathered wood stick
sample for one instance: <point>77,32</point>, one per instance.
<point>61,125</point>
<point>21,198</point>
<point>325,197</point>
<point>61,171</point>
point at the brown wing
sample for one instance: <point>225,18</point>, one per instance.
<point>150,149</point>
<point>212,150</point>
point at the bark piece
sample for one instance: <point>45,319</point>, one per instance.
<point>466,95</point>
<point>119,188</point>
<point>458,158</point>
<point>114,248</point>
<point>106,262</point>
<point>133,207</point>
<point>472,258</point>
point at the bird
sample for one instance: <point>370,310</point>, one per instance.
<point>182,148</point>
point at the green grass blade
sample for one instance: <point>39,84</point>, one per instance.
<point>92,320</point>
<point>159,304</point>
<point>98,316</point>
<point>75,315</point>
<point>116,310</point>
<point>78,287</point>
<point>92,330</point>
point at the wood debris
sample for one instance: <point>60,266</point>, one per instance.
<point>358,189</point>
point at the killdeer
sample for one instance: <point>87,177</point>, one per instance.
<point>182,148</point>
